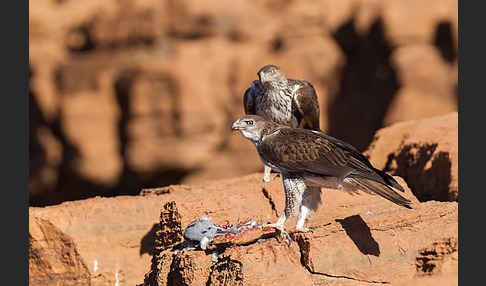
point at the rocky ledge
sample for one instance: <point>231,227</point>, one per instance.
<point>355,239</point>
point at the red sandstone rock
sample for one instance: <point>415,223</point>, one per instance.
<point>416,21</point>
<point>428,89</point>
<point>411,104</point>
<point>116,82</point>
<point>349,232</point>
<point>354,239</point>
<point>423,152</point>
<point>53,256</point>
<point>125,225</point>
<point>421,67</point>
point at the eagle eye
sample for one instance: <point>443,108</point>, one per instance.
<point>249,122</point>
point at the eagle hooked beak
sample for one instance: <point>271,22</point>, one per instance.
<point>236,125</point>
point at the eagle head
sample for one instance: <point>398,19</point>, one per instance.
<point>273,75</point>
<point>251,127</point>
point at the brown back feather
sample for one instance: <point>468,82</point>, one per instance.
<point>307,107</point>
<point>249,99</point>
<point>304,151</point>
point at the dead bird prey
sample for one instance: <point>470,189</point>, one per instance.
<point>309,160</point>
<point>282,100</point>
<point>202,231</point>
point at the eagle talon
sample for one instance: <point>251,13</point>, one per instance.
<point>283,233</point>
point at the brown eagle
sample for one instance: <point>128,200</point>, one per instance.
<point>309,160</point>
<point>283,100</point>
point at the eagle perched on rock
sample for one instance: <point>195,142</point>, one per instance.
<point>283,100</point>
<point>309,160</point>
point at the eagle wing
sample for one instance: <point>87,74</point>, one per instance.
<point>305,105</point>
<point>249,98</point>
<point>304,151</point>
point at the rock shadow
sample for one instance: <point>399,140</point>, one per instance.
<point>148,241</point>
<point>444,41</point>
<point>68,185</point>
<point>427,172</point>
<point>359,232</point>
<point>368,84</point>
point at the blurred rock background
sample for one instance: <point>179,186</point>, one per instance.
<point>126,95</point>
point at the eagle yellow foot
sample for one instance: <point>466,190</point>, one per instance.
<point>281,230</point>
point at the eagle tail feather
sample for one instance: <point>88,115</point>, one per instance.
<point>389,180</point>
<point>382,190</point>
<point>379,177</point>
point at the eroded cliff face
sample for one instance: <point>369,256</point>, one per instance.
<point>424,153</point>
<point>355,239</point>
<point>130,94</point>
<point>53,256</point>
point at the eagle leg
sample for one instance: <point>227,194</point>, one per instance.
<point>304,212</point>
<point>266,173</point>
<point>311,198</point>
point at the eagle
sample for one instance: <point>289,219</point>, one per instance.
<point>309,160</point>
<point>283,100</point>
